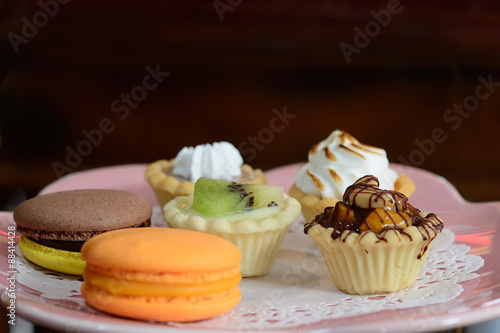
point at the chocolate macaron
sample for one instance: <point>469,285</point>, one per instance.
<point>54,226</point>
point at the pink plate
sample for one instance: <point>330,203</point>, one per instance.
<point>125,177</point>
<point>473,224</point>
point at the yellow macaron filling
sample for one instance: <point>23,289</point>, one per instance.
<point>54,259</point>
<point>135,288</point>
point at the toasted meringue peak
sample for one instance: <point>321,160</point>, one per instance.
<point>340,160</point>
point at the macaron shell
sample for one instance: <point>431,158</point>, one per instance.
<point>83,210</point>
<point>156,257</point>
<point>161,250</point>
<point>57,260</point>
<point>177,309</point>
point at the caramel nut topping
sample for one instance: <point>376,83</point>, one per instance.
<point>366,194</point>
<point>366,207</point>
<point>380,219</point>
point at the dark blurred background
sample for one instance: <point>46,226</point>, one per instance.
<point>418,78</point>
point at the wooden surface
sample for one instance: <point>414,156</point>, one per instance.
<point>226,78</point>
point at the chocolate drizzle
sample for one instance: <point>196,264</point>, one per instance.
<point>365,193</point>
<point>366,207</point>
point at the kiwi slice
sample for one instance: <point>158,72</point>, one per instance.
<point>215,198</point>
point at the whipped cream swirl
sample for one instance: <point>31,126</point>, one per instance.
<point>220,160</point>
<point>338,161</point>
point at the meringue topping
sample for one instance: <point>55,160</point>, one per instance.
<point>340,160</point>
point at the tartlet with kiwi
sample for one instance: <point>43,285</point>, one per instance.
<point>168,186</point>
<point>174,177</point>
<point>254,217</point>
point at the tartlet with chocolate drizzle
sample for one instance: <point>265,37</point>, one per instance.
<point>373,241</point>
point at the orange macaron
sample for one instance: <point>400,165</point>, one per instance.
<point>161,274</point>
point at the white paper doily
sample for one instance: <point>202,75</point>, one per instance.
<point>297,290</point>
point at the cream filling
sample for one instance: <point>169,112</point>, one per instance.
<point>220,160</point>
<point>135,288</point>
